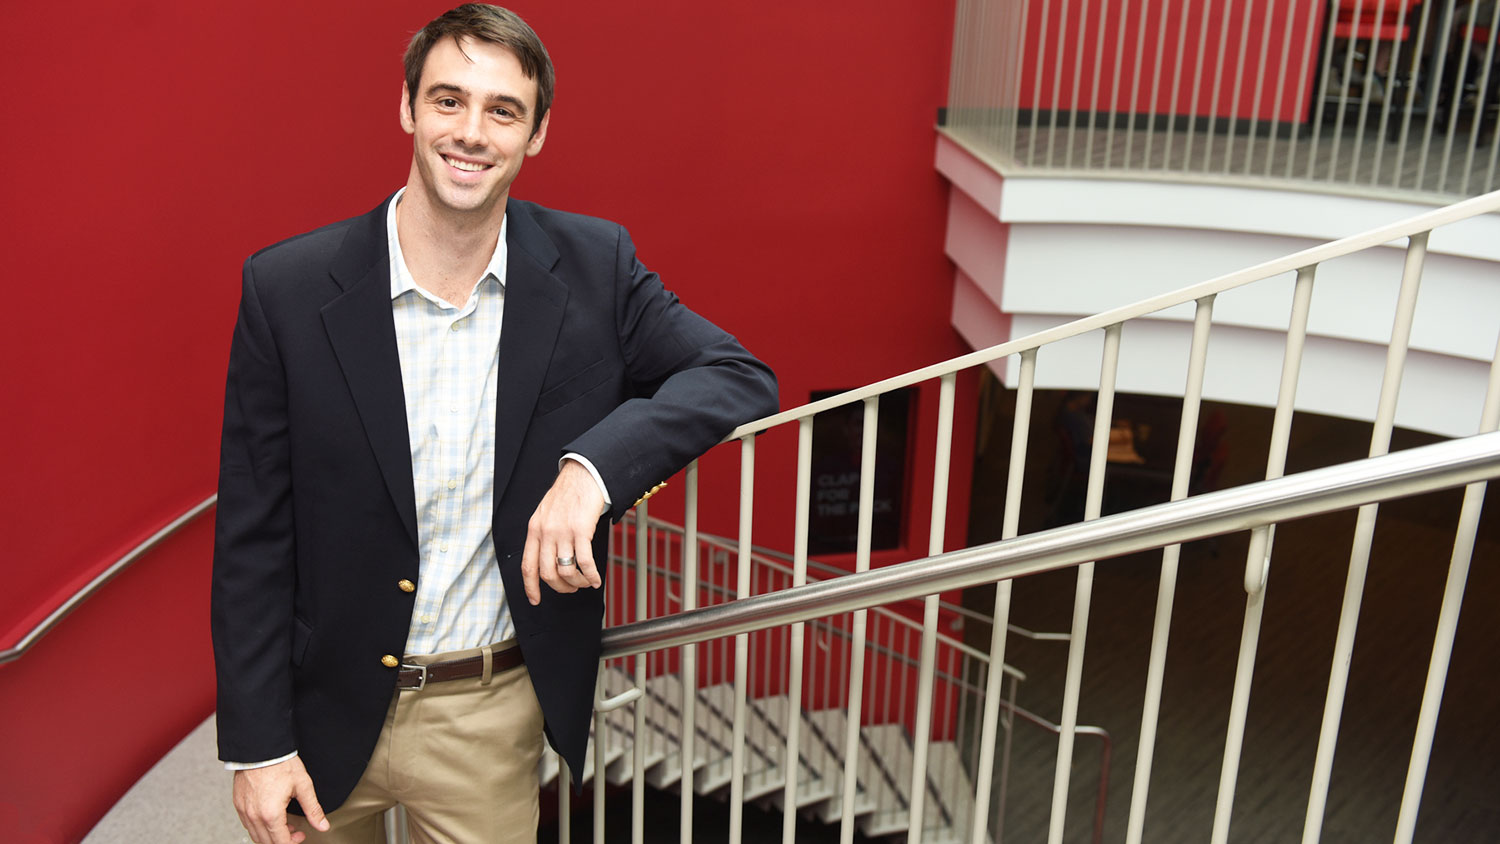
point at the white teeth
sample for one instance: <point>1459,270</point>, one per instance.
<point>465,165</point>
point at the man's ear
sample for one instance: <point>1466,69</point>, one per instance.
<point>538,138</point>
<point>408,120</point>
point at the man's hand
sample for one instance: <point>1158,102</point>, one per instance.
<point>563,526</point>
<point>261,796</point>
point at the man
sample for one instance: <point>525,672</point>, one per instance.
<point>429,410</point>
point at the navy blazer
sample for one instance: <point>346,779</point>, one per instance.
<point>316,521</point>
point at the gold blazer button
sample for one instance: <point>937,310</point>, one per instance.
<point>407,586</point>
<point>389,661</point>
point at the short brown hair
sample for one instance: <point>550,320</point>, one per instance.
<point>495,25</point>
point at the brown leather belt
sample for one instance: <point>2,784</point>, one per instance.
<point>417,676</point>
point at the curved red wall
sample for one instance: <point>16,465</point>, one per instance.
<point>772,160</point>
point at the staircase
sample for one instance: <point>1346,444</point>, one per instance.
<point>883,775</point>
<point>647,563</point>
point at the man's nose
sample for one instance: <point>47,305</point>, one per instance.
<point>471,130</point>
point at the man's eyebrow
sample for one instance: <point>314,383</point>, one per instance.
<point>516,104</point>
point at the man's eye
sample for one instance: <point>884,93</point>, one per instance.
<point>503,112</point>
<point>448,102</point>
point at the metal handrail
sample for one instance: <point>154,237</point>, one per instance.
<point>1326,490</point>
<point>834,571</point>
<point>45,626</point>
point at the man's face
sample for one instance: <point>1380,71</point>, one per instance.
<point>471,125</point>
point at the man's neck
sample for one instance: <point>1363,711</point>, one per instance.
<point>446,251</point>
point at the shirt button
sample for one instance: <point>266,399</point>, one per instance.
<point>407,586</point>
<point>455,326</point>
<point>453,484</point>
<point>426,619</point>
<point>443,547</point>
<point>452,408</point>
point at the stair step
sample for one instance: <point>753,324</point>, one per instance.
<point>814,784</point>
<point>950,801</point>
<point>765,744</point>
<point>666,690</point>
<point>883,772</point>
<point>885,763</point>
<point>828,726</point>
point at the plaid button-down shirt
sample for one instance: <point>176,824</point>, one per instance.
<point>449,361</point>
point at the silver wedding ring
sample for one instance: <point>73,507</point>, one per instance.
<point>564,562</point>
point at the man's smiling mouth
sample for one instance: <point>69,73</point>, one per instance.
<point>468,166</point>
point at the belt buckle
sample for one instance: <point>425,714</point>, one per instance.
<point>421,677</point>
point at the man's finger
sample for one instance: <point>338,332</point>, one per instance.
<point>280,832</point>
<point>587,569</point>
<point>530,570</point>
<point>570,574</point>
<point>552,573</point>
<point>311,809</point>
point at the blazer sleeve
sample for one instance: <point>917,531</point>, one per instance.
<point>254,568</point>
<point>693,384</point>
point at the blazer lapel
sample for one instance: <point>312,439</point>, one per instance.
<point>362,330</point>
<point>534,304</point>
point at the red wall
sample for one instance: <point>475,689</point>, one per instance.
<point>772,160</point>
<point>1268,26</point>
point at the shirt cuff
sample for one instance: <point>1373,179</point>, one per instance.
<point>247,766</point>
<point>593,473</point>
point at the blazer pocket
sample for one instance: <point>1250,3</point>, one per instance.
<point>574,386</point>
<point>302,634</point>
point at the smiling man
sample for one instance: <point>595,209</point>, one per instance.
<point>430,411</point>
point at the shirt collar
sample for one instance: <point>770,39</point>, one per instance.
<point>401,278</point>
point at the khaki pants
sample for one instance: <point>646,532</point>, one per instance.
<point>460,755</point>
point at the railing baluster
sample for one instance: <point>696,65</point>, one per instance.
<point>1057,74</point>
<point>1489,173</point>
<point>638,709</point>
<point>857,644</point>
<point>1036,89</point>
<point>1364,101</point>
<point>1239,85</point>
<point>1167,586</point>
<point>1258,557</point>
<point>1114,85</point>
<point>1218,83</point>
<point>1338,123</point>
<point>799,577</point>
<point>689,657</point>
<point>601,750</point>
<point>1447,627</point>
<point>1187,152</point>
<point>1455,104</point>
<point>1260,85</point>
<point>1444,31</point>
<point>1364,535</point>
<point>1000,623</point>
<point>564,802</point>
<point>1135,82</point>
<point>1083,592</point>
<point>741,642</point>
<point>1484,91</point>
<point>1385,108</point>
<point>1309,27</point>
<point>1083,28</point>
<point>922,729</point>
<point>1171,108</point>
<point>1321,94</point>
<point>1019,46</point>
<point>1411,93</point>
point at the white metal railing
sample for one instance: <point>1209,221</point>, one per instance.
<point>764,624</point>
<point>1368,96</point>
<point>960,671</point>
